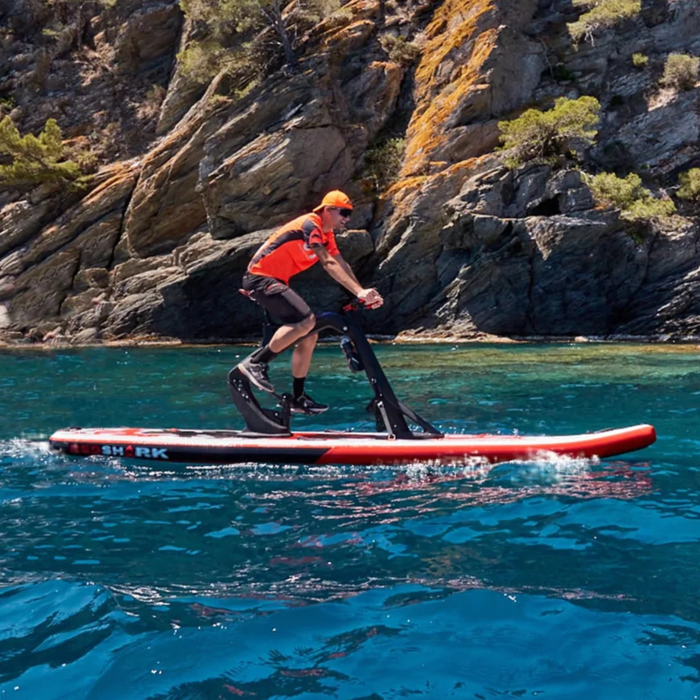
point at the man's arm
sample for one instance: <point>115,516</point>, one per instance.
<point>344,264</point>
<point>342,273</point>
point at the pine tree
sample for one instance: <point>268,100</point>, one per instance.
<point>226,17</point>
<point>34,159</point>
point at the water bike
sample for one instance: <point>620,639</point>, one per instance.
<point>402,436</point>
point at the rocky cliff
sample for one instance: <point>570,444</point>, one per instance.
<point>193,175</point>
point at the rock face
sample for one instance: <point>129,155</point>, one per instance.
<point>459,245</point>
<point>101,73</point>
<point>525,254</point>
<point>477,66</point>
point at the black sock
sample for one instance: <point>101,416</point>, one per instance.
<point>263,354</point>
<point>299,387</point>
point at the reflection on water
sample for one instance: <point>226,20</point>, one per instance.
<point>555,578</point>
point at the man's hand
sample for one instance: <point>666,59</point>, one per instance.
<point>371,298</point>
<point>341,272</point>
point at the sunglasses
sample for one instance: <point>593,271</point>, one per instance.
<point>345,213</point>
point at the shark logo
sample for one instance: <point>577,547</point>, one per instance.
<point>138,452</point>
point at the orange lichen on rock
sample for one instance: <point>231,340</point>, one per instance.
<point>417,195</point>
<point>349,38</point>
<point>449,36</point>
<point>450,79</point>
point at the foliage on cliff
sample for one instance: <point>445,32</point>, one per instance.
<point>33,159</point>
<point>681,71</point>
<point>244,35</point>
<point>689,185</point>
<point>383,163</point>
<point>603,14</point>
<point>636,203</point>
<point>543,136</point>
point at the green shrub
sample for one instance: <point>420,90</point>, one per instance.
<point>543,136</point>
<point>383,163</point>
<point>681,71</point>
<point>85,159</point>
<point>226,18</point>
<point>400,49</point>
<point>603,14</point>
<point>201,61</point>
<point>639,60</point>
<point>613,191</point>
<point>690,185</point>
<point>636,203</point>
<point>650,209</point>
<point>7,104</point>
<point>34,159</point>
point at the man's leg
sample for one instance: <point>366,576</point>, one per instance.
<point>301,361</point>
<point>301,358</point>
<point>254,367</point>
<point>286,305</point>
<point>288,334</point>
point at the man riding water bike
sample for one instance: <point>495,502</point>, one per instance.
<point>292,249</point>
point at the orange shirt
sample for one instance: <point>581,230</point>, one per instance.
<point>287,252</point>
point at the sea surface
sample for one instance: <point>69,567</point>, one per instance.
<point>561,580</point>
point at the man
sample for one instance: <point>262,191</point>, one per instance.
<point>290,250</point>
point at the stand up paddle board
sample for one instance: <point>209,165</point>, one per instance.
<point>328,447</point>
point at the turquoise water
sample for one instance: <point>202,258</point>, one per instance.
<point>560,580</point>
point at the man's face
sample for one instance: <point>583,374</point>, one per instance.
<point>337,217</point>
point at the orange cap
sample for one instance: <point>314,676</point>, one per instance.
<point>336,198</point>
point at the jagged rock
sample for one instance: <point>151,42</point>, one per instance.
<point>79,304</point>
<point>4,317</point>
<point>137,266</point>
<point>149,34</point>
<point>20,221</point>
<point>183,91</point>
<point>167,207</point>
<point>11,265</point>
<point>86,337</point>
<point>142,283</point>
<point>285,145</point>
<point>99,212</point>
<point>132,315</point>
<point>474,69</point>
<point>42,273</point>
<point>91,278</point>
<point>40,291</point>
<point>538,276</point>
<point>649,144</point>
<point>524,253</point>
<point>280,166</point>
<point>23,17</point>
<point>669,301</point>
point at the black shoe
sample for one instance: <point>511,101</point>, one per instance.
<point>256,372</point>
<point>305,404</point>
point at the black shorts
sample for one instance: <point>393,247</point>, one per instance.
<point>280,301</point>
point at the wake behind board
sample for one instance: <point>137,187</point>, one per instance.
<point>330,447</point>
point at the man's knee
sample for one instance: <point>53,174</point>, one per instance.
<point>307,324</point>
